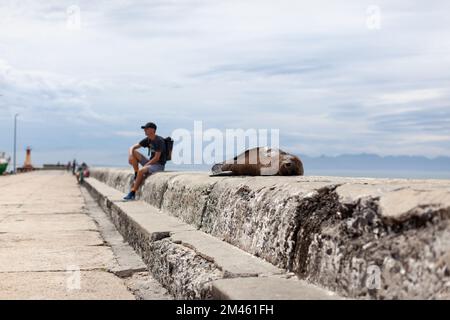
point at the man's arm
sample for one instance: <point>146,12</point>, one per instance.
<point>155,159</point>
<point>132,148</point>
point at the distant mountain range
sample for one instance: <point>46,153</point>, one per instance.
<point>375,162</point>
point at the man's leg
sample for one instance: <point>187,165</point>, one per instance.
<point>139,178</point>
<point>137,159</point>
<point>146,171</point>
<point>141,174</point>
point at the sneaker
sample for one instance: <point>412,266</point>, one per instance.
<point>130,196</point>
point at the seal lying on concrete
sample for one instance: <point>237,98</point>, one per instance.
<point>260,161</point>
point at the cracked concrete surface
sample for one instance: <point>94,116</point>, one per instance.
<point>55,245</point>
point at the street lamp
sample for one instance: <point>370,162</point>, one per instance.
<point>15,139</point>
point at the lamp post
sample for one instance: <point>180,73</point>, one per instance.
<point>15,140</point>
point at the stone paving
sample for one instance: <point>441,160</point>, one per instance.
<point>50,246</point>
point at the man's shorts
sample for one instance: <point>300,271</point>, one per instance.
<point>151,168</point>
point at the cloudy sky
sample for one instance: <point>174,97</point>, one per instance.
<point>334,76</point>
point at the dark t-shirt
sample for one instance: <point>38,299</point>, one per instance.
<point>156,145</point>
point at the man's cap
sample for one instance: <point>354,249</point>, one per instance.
<point>149,125</point>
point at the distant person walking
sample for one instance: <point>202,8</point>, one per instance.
<point>74,166</point>
<point>157,162</point>
<point>82,172</point>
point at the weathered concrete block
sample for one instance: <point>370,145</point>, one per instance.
<point>120,179</point>
<point>184,273</point>
<point>369,238</point>
<point>187,195</point>
<point>269,288</point>
<point>230,259</point>
<point>384,241</point>
<point>154,188</point>
<point>151,191</point>
<point>258,215</point>
<point>99,173</point>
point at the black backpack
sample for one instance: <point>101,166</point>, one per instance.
<point>169,147</point>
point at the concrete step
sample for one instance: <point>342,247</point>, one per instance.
<point>192,264</point>
<point>262,288</point>
<point>359,237</point>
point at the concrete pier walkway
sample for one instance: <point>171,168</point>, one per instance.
<point>52,246</point>
<point>223,238</point>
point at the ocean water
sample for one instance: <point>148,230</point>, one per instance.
<point>390,174</point>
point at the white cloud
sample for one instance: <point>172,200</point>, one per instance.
<point>313,70</point>
<point>132,134</point>
<point>41,96</point>
<point>411,96</point>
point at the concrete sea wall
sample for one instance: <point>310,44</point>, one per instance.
<point>361,238</point>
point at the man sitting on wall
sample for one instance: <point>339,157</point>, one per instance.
<point>157,149</point>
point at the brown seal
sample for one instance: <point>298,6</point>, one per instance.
<point>261,161</point>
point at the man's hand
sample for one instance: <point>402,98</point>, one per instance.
<point>155,159</point>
